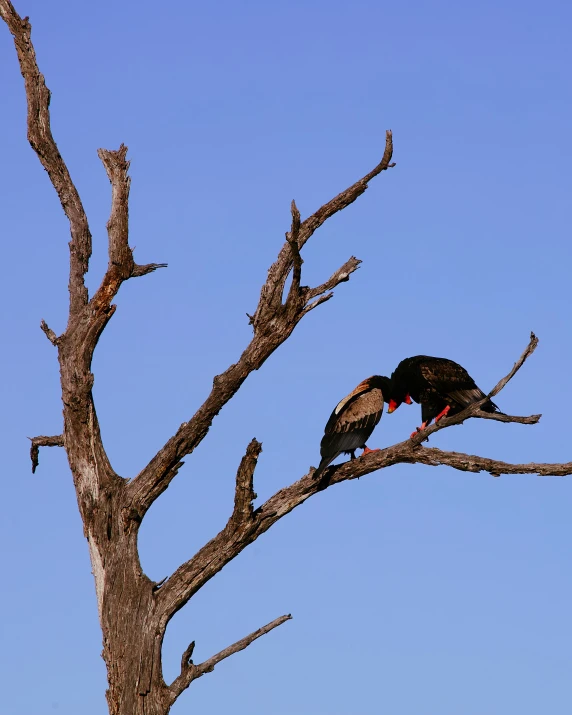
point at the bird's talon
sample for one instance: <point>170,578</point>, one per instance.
<point>443,413</point>
<point>418,429</point>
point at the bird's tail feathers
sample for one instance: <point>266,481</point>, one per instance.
<point>491,407</point>
<point>324,464</point>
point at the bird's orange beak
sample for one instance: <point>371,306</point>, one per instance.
<point>408,400</point>
<point>392,406</point>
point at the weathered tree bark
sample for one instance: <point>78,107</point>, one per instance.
<point>134,611</point>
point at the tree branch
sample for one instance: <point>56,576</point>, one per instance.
<point>49,333</point>
<point>340,276</point>
<point>474,409</point>
<point>121,264</point>
<point>147,268</point>
<point>320,293</point>
<point>116,168</point>
<point>195,573</point>
<point>187,655</point>
<point>244,493</point>
<point>472,463</point>
<point>273,289</point>
<point>501,417</point>
<point>101,494</point>
<point>190,672</point>
<point>530,348</point>
<point>208,561</point>
<point>273,322</point>
<point>347,197</point>
<point>42,142</point>
<point>42,441</point>
<point>292,238</point>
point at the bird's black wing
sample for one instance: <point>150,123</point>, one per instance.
<point>451,380</point>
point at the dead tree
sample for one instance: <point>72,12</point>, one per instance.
<point>133,610</point>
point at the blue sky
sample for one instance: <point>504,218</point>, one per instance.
<point>414,590</point>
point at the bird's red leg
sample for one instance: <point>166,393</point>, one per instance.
<point>367,450</point>
<point>443,413</point>
<point>419,429</point>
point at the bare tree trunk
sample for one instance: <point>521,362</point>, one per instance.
<point>127,609</point>
<point>132,637</point>
<point>134,611</point>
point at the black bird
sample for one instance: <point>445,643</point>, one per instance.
<point>443,387</point>
<point>353,420</point>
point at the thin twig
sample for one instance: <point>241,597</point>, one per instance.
<point>190,672</point>
<point>147,268</point>
<point>474,409</point>
<point>340,276</point>
<point>347,197</point>
<point>530,348</point>
<point>317,302</point>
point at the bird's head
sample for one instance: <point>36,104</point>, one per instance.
<point>394,403</point>
<point>398,392</point>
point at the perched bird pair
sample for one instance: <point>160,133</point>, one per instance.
<point>441,386</point>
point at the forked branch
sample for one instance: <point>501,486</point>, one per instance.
<point>116,165</point>
<point>322,293</point>
<point>273,322</point>
<point>195,573</point>
<point>190,672</point>
<point>474,410</point>
<point>272,291</point>
<point>121,266</point>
